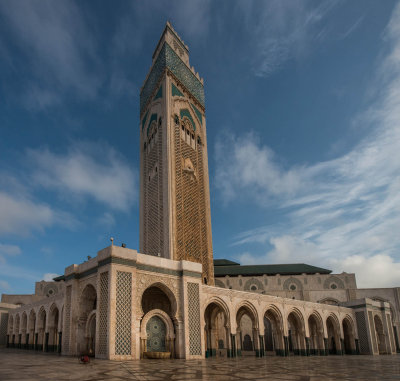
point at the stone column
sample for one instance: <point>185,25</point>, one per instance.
<point>256,342</point>
<point>286,346</point>
<point>233,345</point>
<point>307,346</point>
<point>326,346</point>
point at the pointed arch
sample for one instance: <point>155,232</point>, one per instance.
<point>296,332</point>
<point>348,327</point>
<point>316,334</point>
<point>247,307</point>
<point>216,327</point>
<point>273,330</point>
<point>167,291</point>
<point>333,334</point>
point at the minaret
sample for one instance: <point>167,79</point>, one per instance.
<point>175,219</point>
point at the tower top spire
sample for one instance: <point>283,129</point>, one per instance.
<point>170,36</point>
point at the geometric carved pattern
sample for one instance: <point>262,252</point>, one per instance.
<point>123,313</point>
<point>291,281</point>
<point>191,211</point>
<point>152,179</point>
<point>219,283</point>
<point>67,323</point>
<point>103,309</point>
<point>253,282</point>
<point>156,331</point>
<point>335,280</point>
<point>362,332</point>
<point>194,318</point>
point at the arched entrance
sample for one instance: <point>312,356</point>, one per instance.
<point>333,330</point>
<point>247,330</point>
<point>316,330</point>
<point>87,306</point>
<point>296,336</point>
<point>158,324</point>
<point>273,332</point>
<point>349,339</point>
<point>380,335</point>
<point>216,329</point>
<point>53,329</point>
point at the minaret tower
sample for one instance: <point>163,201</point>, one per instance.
<point>175,219</point>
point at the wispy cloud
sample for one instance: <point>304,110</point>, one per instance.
<point>106,220</point>
<point>86,170</point>
<point>57,50</point>
<point>8,251</point>
<point>347,208</point>
<point>282,30</point>
<point>21,215</point>
<point>353,27</point>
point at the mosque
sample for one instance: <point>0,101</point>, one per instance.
<point>171,299</point>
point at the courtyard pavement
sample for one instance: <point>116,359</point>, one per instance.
<point>22,365</point>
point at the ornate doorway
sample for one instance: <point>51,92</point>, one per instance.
<point>156,334</point>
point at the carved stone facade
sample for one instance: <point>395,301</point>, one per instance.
<point>125,305</point>
<point>175,219</point>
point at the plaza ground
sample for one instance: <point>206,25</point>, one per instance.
<point>20,365</point>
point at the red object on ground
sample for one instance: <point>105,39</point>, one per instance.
<point>84,359</point>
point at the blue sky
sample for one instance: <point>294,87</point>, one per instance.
<point>303,123</point>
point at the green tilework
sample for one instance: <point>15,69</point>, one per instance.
<point>152,118</point>
<point>186,112</point>
<point>198,113</point>
<point>176,92</point>
<point>159,93</point>
<point>167,58</point>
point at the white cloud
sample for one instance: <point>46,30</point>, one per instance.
<point>20,215</point>
<point>58,48</point>
<point>88,170</point>
<point>347,208</point>
<point>48,277</point>
<point>374,271</point>
<point>8,251</point>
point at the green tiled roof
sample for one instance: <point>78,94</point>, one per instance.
<point>254,270</point>
<point>225,262</point>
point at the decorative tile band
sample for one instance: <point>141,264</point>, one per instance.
<point>159,93</point>
<point>132,263</point>
<point>167,58</point>
<point>186,112</point>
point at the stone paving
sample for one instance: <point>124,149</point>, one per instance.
<point>21,365</point>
